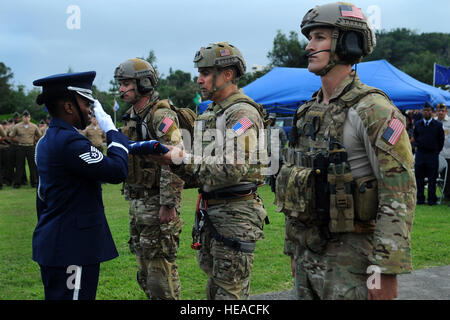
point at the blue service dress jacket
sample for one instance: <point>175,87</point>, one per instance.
<point>429,139</point>
<point>72,227</point>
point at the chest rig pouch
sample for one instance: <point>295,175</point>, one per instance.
<point>317,160</point>
<point>142,173</point>
<point>319,154</point>
<point>346,204</point>
<point>302,188</point>
<point>340,181</point>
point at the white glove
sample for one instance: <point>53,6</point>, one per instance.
<point>104,120</point>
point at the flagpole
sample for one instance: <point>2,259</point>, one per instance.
<point>115,108</point>
<point>434,74</point>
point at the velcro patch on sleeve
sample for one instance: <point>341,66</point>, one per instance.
<point>165,125</point>
<point>393,131</point>
<point>242,125</point>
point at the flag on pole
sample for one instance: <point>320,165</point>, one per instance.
<point>197,99</point>
<point>441,75</point>
<point>116,106</point>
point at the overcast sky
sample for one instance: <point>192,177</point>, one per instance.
<point>40,38</point>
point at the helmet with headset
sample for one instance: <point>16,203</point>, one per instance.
<point>220,56</point>
<point>352,36</point>
<point>141,71</point>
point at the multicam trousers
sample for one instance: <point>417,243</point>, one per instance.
<point>229,270</point>
<point>155,246</point>
<point>330,270</point>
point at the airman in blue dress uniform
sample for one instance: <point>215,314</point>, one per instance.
<point>72,236</point>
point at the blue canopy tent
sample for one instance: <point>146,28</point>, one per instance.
<point>282,90</point>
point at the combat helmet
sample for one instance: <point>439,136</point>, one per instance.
<point>218,56</point>
<point>141,71</point>
<point>352,36</point>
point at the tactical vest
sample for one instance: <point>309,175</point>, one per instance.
<point>213,112</point>
<point>215,118</point>
<point>316,183</point>
<point>142,172</point>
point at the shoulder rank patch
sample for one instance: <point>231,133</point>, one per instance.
<point>393,131</point>
<point>165,125</point>
<point>242,125</point>
<point>93,156</point>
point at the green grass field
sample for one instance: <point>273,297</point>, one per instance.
<point>20,276</point>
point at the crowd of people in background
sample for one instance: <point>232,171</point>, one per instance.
<point>429,133</point>
<point>18,139</point>
<point>428,130</point>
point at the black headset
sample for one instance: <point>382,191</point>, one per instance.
<point>349,46</point>
<point>144,85</point>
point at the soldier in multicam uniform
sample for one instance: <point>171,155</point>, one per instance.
<point>348,187</point>
<point>232,211</point>
<point>153,190</point>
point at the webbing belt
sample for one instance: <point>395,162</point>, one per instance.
<point>232,194</point>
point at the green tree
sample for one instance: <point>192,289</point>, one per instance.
<point>288,51</point>
<point>178,87</point>
<point>406,49</point>
<point>178,78</point>
<point>5,89</point>
<point>413,53</point>
<point>151,58</point>
<point>249,77</point>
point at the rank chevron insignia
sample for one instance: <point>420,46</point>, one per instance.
<point>93,156</point>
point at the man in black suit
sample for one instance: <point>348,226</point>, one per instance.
<point>429,139</point>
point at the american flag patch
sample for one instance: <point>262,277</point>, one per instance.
<point>393,131</point>
<point>351,11</point>
<point>165,125</point>
<point>242,125</point>
<point>224,52</point>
